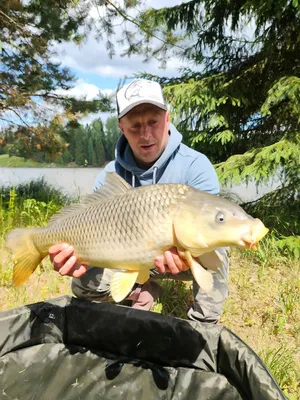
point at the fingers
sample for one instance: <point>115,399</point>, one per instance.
<point>57,248</point>
<point>78,272</point>
<point>65,262</point>
<point>159,264</point>
<point>175,264</point>
<point>60,257</point>
<point>72,268</point>
<point>171,262</point>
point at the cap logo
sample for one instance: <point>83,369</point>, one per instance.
<point>140,90</point>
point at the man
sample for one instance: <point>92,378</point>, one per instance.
<point>150,151</point>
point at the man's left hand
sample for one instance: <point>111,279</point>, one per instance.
<point>170,262</point>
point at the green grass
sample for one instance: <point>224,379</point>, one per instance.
<point>263,307</point>
<point>20,162</point>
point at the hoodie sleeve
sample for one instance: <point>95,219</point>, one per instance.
<point>100,179</point>
<point>202,175</point>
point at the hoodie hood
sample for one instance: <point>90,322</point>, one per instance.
<point>125,158</point>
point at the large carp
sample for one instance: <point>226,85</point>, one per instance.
<point>124,228</point>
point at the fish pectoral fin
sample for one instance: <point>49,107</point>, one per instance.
<point>121,284</point>
<point>203,277</point>
<point>143,277</point>
<point>212,260</point>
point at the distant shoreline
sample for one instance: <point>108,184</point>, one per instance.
<point>7,161</point>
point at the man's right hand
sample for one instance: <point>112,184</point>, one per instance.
<point>65,262</point>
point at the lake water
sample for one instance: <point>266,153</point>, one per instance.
<point>73,181</point>
<point>77,182</point>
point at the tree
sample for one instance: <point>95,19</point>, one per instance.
<point>29,76</point>
<point>80,146</point>
<point>239,100</point>
<point>112,134</point>
<point>36,143</point>
<point>97,133</point>
<point>91,155</point>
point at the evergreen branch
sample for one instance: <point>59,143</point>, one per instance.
<point>127,18</point>
<point>18,115</point>
<point>14,22</point>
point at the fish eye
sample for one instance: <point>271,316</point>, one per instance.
<point>220,217</point>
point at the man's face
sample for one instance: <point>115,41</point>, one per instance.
<point>146,128</point>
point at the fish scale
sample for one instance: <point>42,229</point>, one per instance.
<point>113,231</point>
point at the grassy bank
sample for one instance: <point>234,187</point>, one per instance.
<point>263,308</point>
<point>19,162</point>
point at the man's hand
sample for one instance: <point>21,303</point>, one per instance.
<point>171,262</point>
<point>64,261</point>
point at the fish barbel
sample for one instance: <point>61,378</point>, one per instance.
<point>125,228</point>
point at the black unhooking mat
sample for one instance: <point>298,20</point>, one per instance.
<point>73,349</point>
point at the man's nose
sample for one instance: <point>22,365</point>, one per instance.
<point>146,132</point>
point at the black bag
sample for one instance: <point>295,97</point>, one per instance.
<point>68,348</point>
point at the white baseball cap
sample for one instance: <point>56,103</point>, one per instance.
<point>137,92</point>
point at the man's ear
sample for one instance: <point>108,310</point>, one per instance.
<point>120,125</point>
<point>168,117</point>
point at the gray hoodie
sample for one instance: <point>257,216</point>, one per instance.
<point>177,164</point>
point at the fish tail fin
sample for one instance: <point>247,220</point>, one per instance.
<point>25,254</point>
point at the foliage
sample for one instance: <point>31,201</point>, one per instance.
<point>280,361</point>
<point>80,146</point>
<point>238,102</point>
<point>112,134</point>
<point>20,162</point>
<point>44,141</point>
<point>174,298</point>
<point>38,190</point>
<point>32,84</point>
<point>92,145</point>
<point>97,133</point>
<point>279,211</point>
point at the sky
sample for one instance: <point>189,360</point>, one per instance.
<point>95,71</point>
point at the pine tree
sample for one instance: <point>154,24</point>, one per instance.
<point>80,146</point>
<point>97,132</point>
<point>28,76</point>
<point>238,102</point>
<point>112,134</point>
<point>91,154</point>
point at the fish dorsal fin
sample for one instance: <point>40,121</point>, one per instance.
<point>113,186</point>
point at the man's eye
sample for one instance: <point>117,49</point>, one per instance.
<point>153,121</point>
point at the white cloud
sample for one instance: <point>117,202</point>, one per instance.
<point>83,89</point>
<point>92,56</point>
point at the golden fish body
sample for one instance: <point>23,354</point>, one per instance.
<point>124,229</point>
<point>123,232</point>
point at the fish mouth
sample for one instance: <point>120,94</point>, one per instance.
<point>250,241</point>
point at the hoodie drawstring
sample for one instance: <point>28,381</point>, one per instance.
<point>133,180</point>
<point>153,178</point>
<point>154,175</point>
